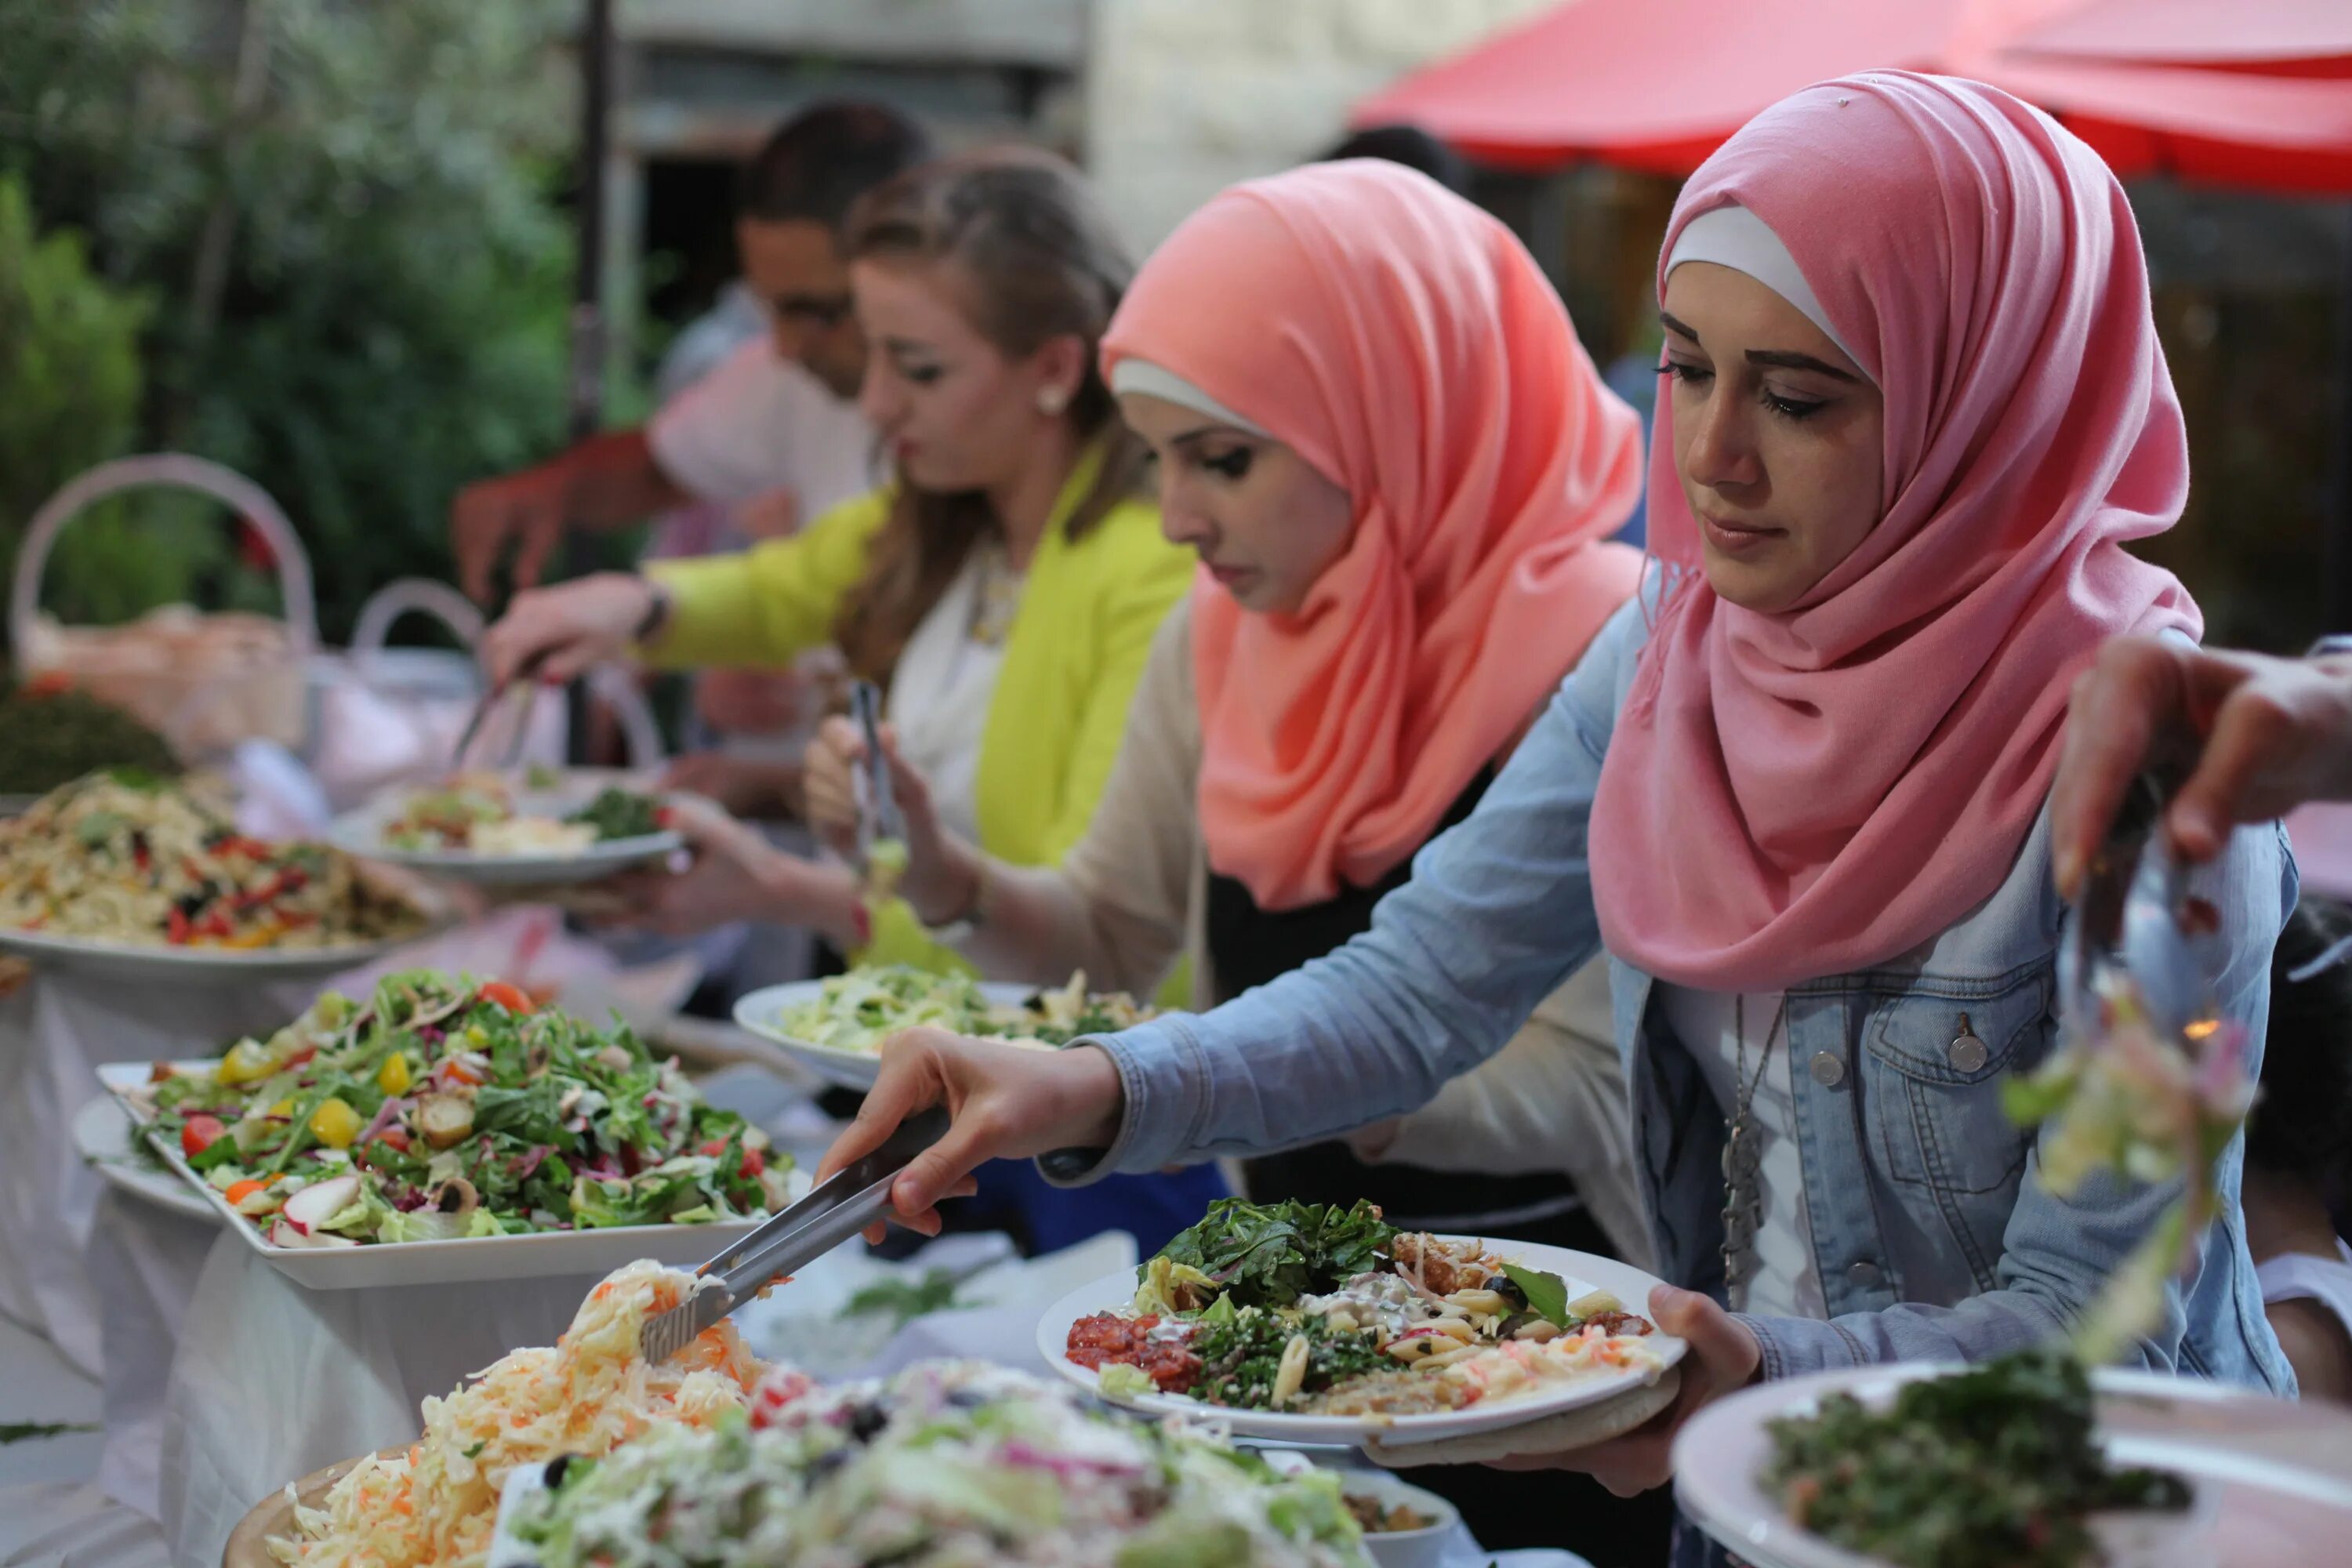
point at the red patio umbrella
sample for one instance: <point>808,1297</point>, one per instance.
<point>2286,37</point>
<point>1658,84</point>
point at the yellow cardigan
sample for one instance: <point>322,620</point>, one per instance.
<point>1071,659</point>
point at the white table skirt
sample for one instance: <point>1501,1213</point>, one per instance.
<point>54,1035</point>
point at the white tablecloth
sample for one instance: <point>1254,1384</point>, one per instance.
<point>54,1034</point>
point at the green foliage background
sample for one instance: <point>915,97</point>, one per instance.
<point>346,274</point>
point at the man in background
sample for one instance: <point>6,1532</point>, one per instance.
<point>767,439</point>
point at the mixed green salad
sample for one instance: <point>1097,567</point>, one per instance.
<point>1993,1467</point>
<point>442,1107</point>
<point>946,1463</point>
<point>859,1010</point>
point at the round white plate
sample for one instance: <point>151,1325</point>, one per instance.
<point>216,965</point>
<point>102,1134</point>
<point>1583,1272</point>
<point>2272,1479</point>
<point>759,1011</point>
<point>360,832</point>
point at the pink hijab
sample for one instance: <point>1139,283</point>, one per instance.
<point>1402,342</point>
<point>1815,792</point>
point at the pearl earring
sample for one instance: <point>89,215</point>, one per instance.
<point>1051,400</point>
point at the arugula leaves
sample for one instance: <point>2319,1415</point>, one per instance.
<point>1546,1294</point>
<point>1270,1255</point>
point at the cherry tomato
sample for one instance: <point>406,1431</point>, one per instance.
<point>199,1134</point>
<point>513,998</point>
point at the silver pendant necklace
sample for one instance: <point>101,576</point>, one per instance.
<point>1743,1153</point>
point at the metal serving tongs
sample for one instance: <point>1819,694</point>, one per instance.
<point>526,676</point>
<point>835,1210</point>
<point>878,815</point>
<point>2136,916</point>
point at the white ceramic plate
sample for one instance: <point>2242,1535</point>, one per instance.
<point>762,1010</point>
<point>2269,1495</point>
<point>361,832</point>
<point>103,1133</point>
<point>1583,1272</point>
<point>162,962</point>
<point>464,1260</point>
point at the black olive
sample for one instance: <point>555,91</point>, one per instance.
<point>1516,1322</point>
<point>966,1399</point>
<point>867,1421</point>
<point>1506,1287</point>
<point>553,1474</point>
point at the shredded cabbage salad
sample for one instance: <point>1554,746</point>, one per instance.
<point>946,1463</point>
<point>591,1392</point>
<point>442,1108</point>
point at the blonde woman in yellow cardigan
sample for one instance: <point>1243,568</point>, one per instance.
<point>1003,591</point>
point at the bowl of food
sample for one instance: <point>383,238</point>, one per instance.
<point>1404,1525</point>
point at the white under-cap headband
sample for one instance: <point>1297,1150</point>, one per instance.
<point>1734,237</point>
<point>1141,376</point>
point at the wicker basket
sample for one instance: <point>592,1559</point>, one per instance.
<point>205,682</point>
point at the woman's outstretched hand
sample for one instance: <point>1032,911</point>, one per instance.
<point>2258,737</point>
<point>1005,1102</point>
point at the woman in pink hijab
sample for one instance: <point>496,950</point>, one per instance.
<point>1918,410</point>
<point>1377,427</point>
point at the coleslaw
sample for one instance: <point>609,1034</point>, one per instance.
<point>587,1395</point>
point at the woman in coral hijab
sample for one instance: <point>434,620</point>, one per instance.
<point>1375,425</point>
<point>1797,794</point>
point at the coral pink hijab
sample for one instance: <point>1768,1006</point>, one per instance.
<point>1406,345</point>
<point>1806,793</point>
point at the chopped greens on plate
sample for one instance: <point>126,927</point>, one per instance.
<point>1997,1467</point>
<point>440,1108</point>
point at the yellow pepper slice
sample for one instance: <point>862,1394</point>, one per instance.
<point>393,1077</point>
<point>335,1123</point>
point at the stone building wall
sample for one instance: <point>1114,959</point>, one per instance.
<point>1184,97</point>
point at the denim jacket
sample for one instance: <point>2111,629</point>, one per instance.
<point>1932,1237</point>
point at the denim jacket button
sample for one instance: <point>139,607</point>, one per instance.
<point>1863,1276</point>
<point>1967,1053</point>
<point>1828,1069</point>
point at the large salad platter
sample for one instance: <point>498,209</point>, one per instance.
<point>544,828</point>
<point>441,1131</point>
<point>1309,1324</point>
<point>2163,1472</point>
<point>129,875</point>
<point>836,1026</point>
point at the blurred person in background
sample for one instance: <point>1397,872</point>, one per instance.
<point>1003,590</point>
<point>769,436</point>
<point>1410,146</point>
<point>2298,1177</point>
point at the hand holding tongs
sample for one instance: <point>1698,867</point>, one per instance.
<point>877,812</point>
<point>2135,916</point>
<point>835,1210</point>
<point>525,676</point>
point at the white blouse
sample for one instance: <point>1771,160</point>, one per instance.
<point>939,695</point>
<point>1780,1275</point>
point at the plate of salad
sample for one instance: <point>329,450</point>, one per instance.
<point>2027,1461</point>
<point>1314,1323</point>
<point>443,1130</point>
<point>545,827</point>
<point>836,1026</point>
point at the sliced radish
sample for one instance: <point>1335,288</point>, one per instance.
<point>284,1233</point>
<point>315,1205</point>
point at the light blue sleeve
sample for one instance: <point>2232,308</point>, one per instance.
<point>2056,1253</point>
<point>1497,914</point>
